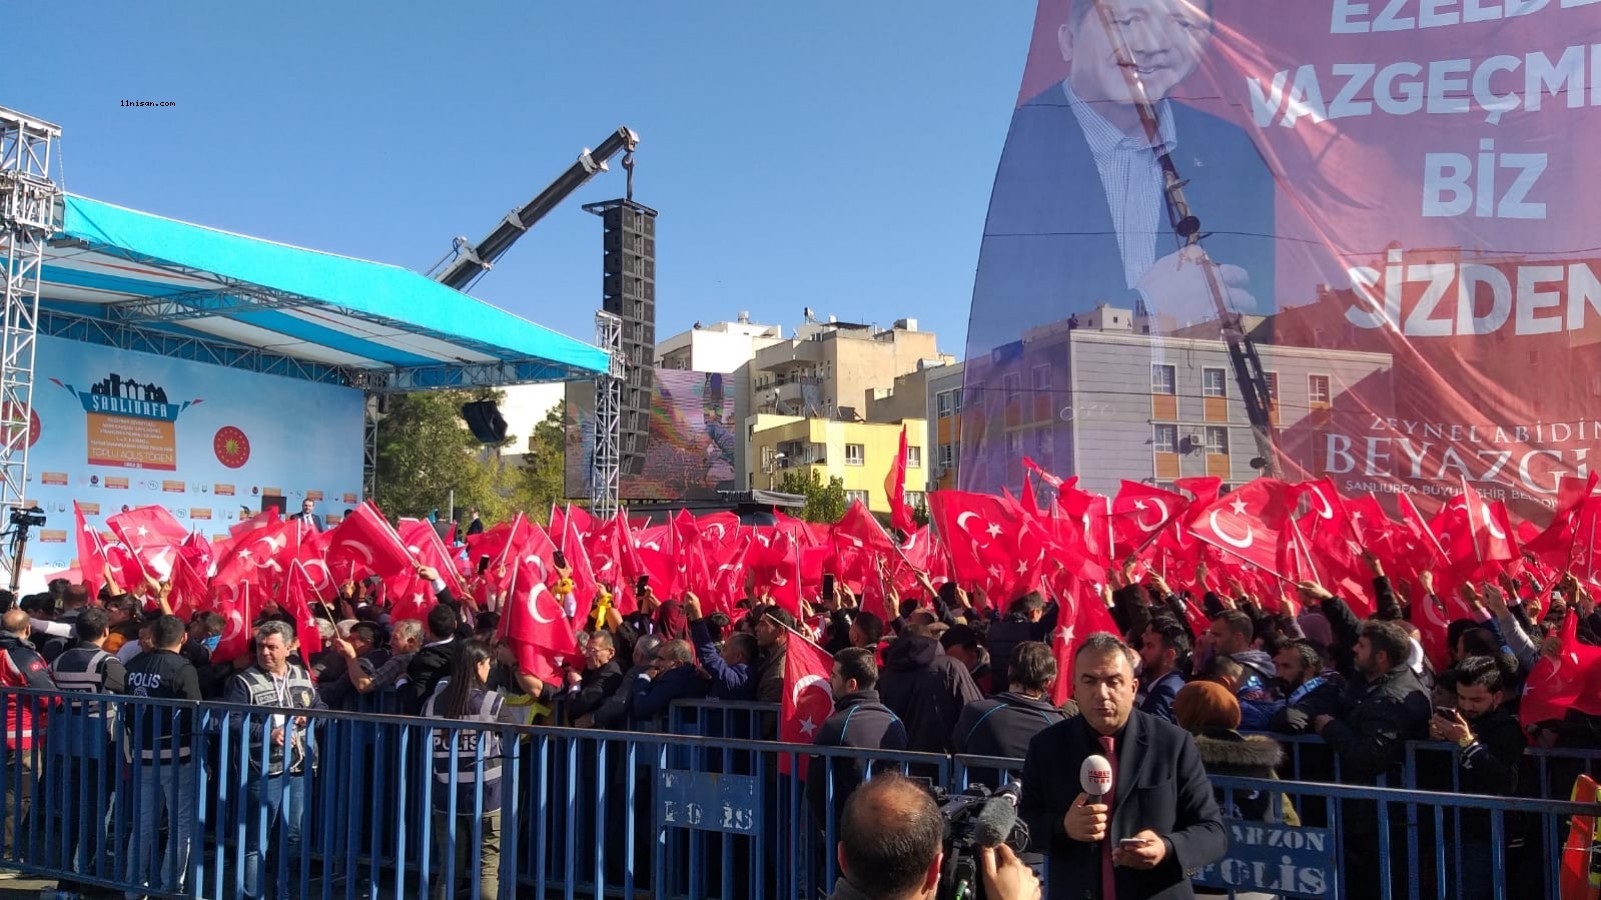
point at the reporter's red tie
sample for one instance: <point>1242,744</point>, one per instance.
<point>1108,877</point>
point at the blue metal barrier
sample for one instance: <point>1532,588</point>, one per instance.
<point>207,799</point>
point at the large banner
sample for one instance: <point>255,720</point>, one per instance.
<point>694,449</point>
<point>1391,193</point>
<point>115,429</point>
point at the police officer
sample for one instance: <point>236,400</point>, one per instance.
<point>21,666</point>
<point>80,737</point>
<point>279,789</point>
<point>159,740</point>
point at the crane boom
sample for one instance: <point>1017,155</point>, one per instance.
<point>474,260</point>
<point>1248,372</point>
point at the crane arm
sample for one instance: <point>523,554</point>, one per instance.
<point>472,260</point>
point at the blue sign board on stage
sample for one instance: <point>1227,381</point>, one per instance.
<point>705,801</point>
<point>1267,856</point>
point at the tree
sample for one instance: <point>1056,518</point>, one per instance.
<point>824,502</point>
<point>425,452</point>
<point>541,480</point>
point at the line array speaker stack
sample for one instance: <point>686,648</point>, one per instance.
<point>629,292</point>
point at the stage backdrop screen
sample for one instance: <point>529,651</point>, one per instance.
<point>694,449</point>
<point>115,429</point>
<point>1394,196</point>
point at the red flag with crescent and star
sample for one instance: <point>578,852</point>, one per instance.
<point>534,624</point>
<point>91,551</point>
<point>1139,513</point>
<point>808,696</point>
<point>364,540</point>
<point>1250,522</point>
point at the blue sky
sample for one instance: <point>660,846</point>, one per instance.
<point>836,155</point>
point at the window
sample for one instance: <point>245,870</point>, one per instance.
<point>1164,380</point>
<point>1014,445</point>
<point>852,496</point>
<point>855,455</point>
<point>1272,386</point>
<point>914,457</point>
<point>942,404</point>
<point>1012,385</point>
<point>1167,439</point>
<point>1317,390</point>
<point>1217,440</point>
<point>947,456</point>
<point>956,400</point>
<point>915,500</point>
<point>1045,445</point>
<point>1042,378</point>
<point>1212,383</point>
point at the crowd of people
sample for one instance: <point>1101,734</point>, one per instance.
<point>940,670</point>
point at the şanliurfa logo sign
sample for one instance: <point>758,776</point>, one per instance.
<point>130,423</point>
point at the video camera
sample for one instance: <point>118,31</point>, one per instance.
<point>976,818</point>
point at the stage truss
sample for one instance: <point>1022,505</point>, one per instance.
<point>606,461</point>
<point>29,204</point>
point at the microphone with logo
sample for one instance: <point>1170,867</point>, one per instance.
<point>1095,777</point>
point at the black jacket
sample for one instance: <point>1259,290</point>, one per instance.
<point>597,685</point>
<point>859,720</point>
<point>1002,638</point>
<point>927,689</point>
<point>423,673</point>
<point>1375,720</point>
<point>1003,725</point>
<point>1159,783</point>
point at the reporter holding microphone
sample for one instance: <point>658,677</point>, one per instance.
<point>1138,833</point>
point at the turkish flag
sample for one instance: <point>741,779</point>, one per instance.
<point>312,555</point>
<point>1576,511</point>
<point>263,519</point>
<point>727,585</point>
<point>238,607</point>
<point>423,544</point>
<point>153,536</point>
<point>535,626</point>
<point>364,539</point>
<point>199,553</point>
<point>1080,614</point>
<point>257,558</point>
<point>1250,522</point>
<point>297,603</point>
<point>91,551</point>
<point>585,587</point>
<point>981,533</point>
<point>188,589</point>
<point>1569,680</point>
<point>900,516</point>
<point>1139,513</point>
<point>808,697</point>
<point>778,570</point>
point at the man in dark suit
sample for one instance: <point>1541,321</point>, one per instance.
<point>1159,822</point>
<point>1078,214</point>
<point>308,512</point>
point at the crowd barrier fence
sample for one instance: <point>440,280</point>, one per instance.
<point>171,798</point>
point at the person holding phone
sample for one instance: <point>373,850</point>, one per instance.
<point>1490,746</point>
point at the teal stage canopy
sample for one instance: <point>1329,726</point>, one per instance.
<point>137,281</point>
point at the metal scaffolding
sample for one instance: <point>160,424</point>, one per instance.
<point>606,462</point>
<point>29,208</point>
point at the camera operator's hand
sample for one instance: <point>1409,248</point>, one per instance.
<point>1086,821</point>
<point>1005,876</point>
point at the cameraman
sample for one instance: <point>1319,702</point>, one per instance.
<point>889,848</point>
